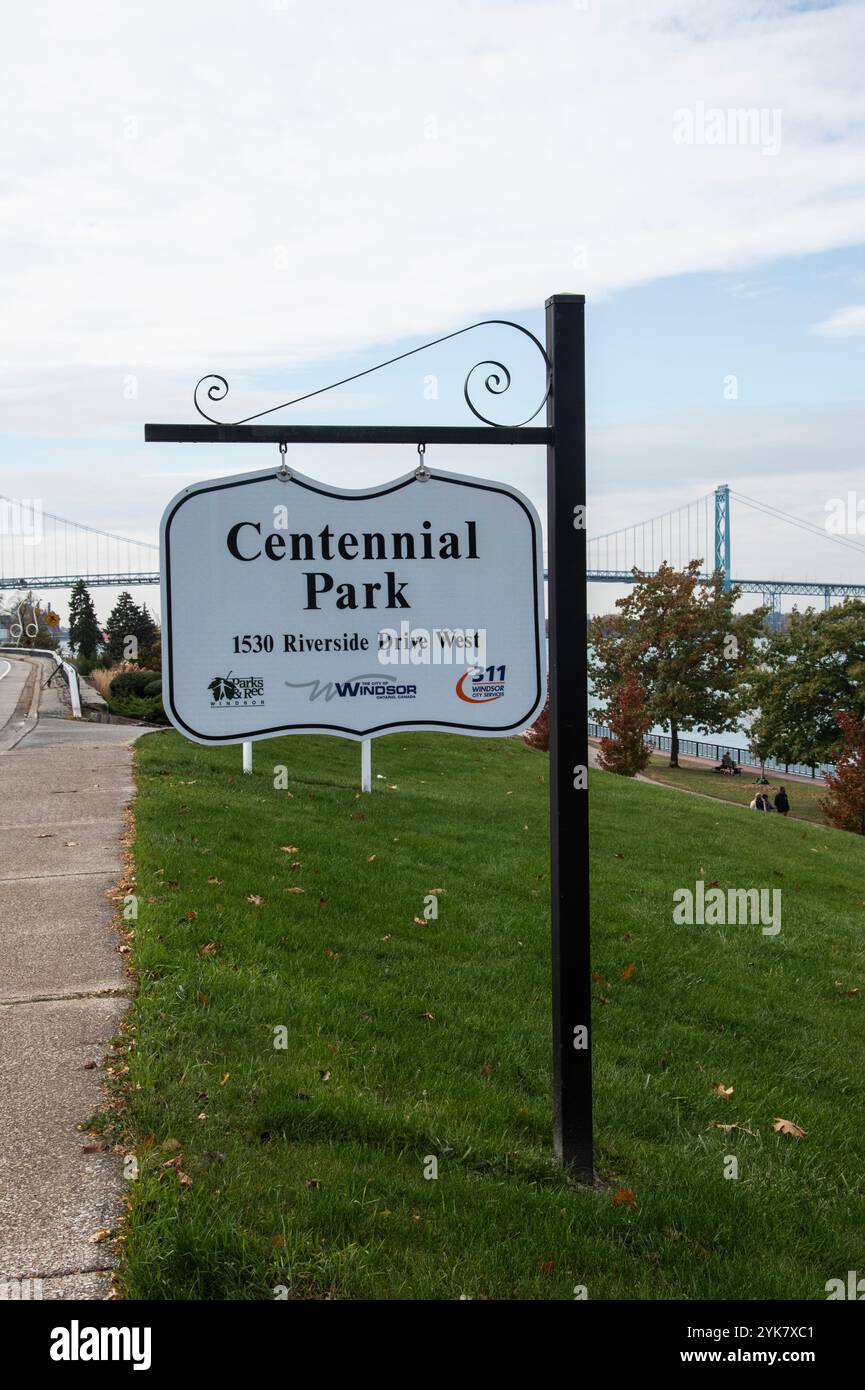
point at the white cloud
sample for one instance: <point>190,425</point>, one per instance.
<point>844,323</point>
<point>255,188</point>
<point>217,186</point>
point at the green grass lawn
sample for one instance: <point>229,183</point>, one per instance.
<point>410,1039</point>
<point>804,796</point>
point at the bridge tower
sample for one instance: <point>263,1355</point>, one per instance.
<point>722,531</point>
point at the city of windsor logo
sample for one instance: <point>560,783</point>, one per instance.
<point>232,691</point>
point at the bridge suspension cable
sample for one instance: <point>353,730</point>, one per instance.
<point>41,550</point>
<point>677,536</point>
<point>810,526</point>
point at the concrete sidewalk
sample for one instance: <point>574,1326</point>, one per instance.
<point>64,788</point>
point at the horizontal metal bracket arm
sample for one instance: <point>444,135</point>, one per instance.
<point>344,434</point>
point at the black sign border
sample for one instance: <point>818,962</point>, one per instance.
<point>339,729</point>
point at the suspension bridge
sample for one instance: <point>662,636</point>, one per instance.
<point>700,529</point>
<point>41,551</point>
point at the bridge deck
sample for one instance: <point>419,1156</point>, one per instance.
<point>748,586</point>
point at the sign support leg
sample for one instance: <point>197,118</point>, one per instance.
<point>366,765</point>
<point>247,756</point>
<point>569,746</point>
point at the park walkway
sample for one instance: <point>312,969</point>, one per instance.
<point>64,787</point>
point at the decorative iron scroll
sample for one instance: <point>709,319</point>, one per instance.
<point>496,382</point>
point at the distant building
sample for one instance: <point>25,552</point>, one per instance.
<point>777,622</point>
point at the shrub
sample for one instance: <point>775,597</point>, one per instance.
<point>626,752</point>
<point>844,807</point>
<point>137,707</point>
<point>131,683</point>
<point>101,677</point>
<point>151,656</point>
<point>538,734</point>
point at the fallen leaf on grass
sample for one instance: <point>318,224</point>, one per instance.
<point>547,1266</point>
<point>624,1197</point>
<point>716,1124</point>
<point>289,849</point>
<point>99,1236</point>
<point>426,1015</point>
<point>210,949</point>
<point>98,1148</point>
<point>419,921</point>
<point>294,890</point>
<point>189,916</point>
<point>324,1075</point>
<point>226,1077</point>
<point>387,937</point>
<point>723,1091</point>
<point>177,1164</point>
<point>219,881</point>
<point>255,900</point>
<point>486,1069</point>
<point>371,857</point>
<point>334,955</point>
<point>628,972</point>
<point>202,998</point>
<point>788,1127</point>
<point>278,1241</point>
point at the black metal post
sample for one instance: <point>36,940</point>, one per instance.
<point>569,744</point>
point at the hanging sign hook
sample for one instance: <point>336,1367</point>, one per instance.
<point>422,473</point>
<point>283,475</point>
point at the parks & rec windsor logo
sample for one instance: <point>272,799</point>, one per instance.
<point>232,691</point>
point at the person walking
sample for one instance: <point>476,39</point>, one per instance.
<point>782,804</point>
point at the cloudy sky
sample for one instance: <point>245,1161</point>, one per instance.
<point>288,192</point>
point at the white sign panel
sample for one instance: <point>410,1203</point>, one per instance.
<point>295,607</point>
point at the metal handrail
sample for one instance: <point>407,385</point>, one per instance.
<point>708,748</point>
<point>69,671</point>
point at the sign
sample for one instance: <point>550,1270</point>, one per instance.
<point>456,554</point>
<point>290,606</point>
